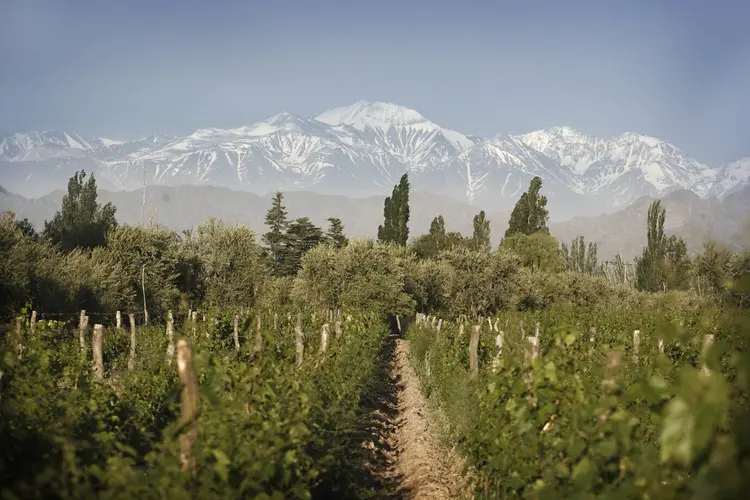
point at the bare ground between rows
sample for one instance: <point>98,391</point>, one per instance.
<point>407,460</point>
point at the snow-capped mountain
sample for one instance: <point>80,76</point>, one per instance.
<point>623,168</point>
<point>362,149</point>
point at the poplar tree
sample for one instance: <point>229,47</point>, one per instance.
<point>81,222</point>
<point>480,239</point>
<point>395,228</point>
<point>530,214</point>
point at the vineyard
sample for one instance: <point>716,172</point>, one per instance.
<point>181,410</point>
<point>136,362</point>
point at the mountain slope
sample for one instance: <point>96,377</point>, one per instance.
<point>362,149</point>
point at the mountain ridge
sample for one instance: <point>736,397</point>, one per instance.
<point>363,148</point>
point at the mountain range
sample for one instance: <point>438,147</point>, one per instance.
<point>362,149</point>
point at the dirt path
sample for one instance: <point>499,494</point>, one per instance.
<point>423,468</point>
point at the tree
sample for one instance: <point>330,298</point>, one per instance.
<point>395,228</point>
<point>81,222</point>
<point>335,233</point>
<point>664,263</point>
<point>530,214</point>
<point>437,240</point>
<point>276,237</point>
<point>538,251</point>
<point>578,258</point>
<point>480,240</point>
<point>302,237</point>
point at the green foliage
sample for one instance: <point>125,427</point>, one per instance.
<point>664,264</point>
<point>538,251</point>
<point>480,239</point>
<point>361,276</point>
<point>335,233</point>
<point>590,418</point>
<point>530,214</point>
<point>578,258</point>
<point>275,238</point>
<point>265,428</point>
<point>395,228</point>
<point>302,236</point>
<point>81,222</point>
<point>437,240</point>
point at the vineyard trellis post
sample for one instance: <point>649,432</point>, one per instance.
<point>131,359</point>
<point>97,342</point>
<point>170,337</point>
<point>190,403</point>
<point>82,330</point>
<point>258,347</point>
<point>474,350</point>
<point>118,320</point>
<point>32,323</point>
<point>299,340</point>
<point>236,332</point>
<point>324,330</point>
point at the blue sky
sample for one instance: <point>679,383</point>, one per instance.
<point>678,70</point>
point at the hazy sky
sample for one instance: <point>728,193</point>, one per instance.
<point>678,70</point>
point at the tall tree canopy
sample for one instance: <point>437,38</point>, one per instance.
<point>335,233</point>
<point>395,228</point>
<point>480,240</point>
<point>437,240</point>
<point>530,214</point>
<point>302,237</point>
<point>664,264</point>
<point>276,238</point>
<point>579,257</point>
<point>81,222</point>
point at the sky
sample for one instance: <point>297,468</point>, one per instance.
<point>677,70</point>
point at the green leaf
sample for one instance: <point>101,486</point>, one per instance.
<point>221,466</point>
<point>677,432</point>
<point>581,468</point>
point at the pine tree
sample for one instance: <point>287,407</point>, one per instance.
<point>336,233</point>
<point>81,222</point>
<point>276,237</point>
<point>395,228</point>
<point>530,214</point>
<point>480,240</point>
<point>302,236</point>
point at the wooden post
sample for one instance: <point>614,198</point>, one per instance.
<point>32,324</point>
<point>523,333</point>
<point>636,343</point>
<point>461,330</point>
<point>532,351</point>
<point>661,346</point>
<point>708,341</point>
<point>440,325</point>
<point>613,367</point>
<point>499,344</point>
<point>97,342</point>
<point>299,338</point>
<point>118,320</point>
<point>338,325</point>
<point>194,322</point>
<point>82,330</point>
<point>592,332</point>
<point>324,331</point>
<point>131,359</point>
<point>489,322</point>
<point>170,337</point>
<point>275,321</point>
<point>18,337</point>
<point>398,323</point>
<point>474,350</point>
<point>237,332</point>
<point>258,347</point>
<point>190,403</point>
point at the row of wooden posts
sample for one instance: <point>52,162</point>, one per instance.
<point>183,352</point>
<point>532,352</point>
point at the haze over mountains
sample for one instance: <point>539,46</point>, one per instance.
<point>688,216</point>
<point>362,149</point>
